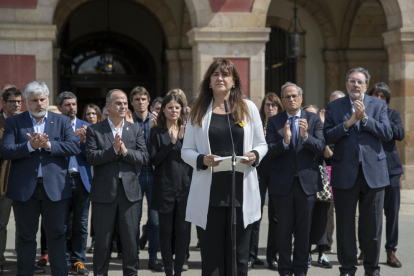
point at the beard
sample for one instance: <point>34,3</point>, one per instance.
<point>37,114</point>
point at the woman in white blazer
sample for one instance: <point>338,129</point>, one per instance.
<point>207,137</point>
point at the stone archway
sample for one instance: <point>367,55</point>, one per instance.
<point>65,8</point>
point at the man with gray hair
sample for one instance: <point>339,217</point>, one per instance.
<point>336,95</point>
<point>38,142</point>
<point>81,178</point>
<point>357,125</point>
<point>295,142</point>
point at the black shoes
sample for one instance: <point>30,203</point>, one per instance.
<point>90,250</point>
<point>324,262</point>
<point>144,237</point>
<point>273,266</point>
<point>39,269</point>
<point>250,265</point>
<point>156,265</point>
<point>258,262</point>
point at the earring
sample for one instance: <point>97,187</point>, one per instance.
<point>209,87</point>
<point>234,86</point>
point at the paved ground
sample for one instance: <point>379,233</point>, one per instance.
<point>405,250</point>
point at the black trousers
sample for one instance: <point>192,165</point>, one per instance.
<point>271,250</point>
<point>27,220</point>
<point>294,213</point>
<point>371,202</point>
<point>105,216</point>
<point>216,243</point>
<point>173,222</point>
<point>392,201</point>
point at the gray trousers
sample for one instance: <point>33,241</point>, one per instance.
<point>5,209</point>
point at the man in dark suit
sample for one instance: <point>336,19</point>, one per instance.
<point>357,124</point>
<point>38,143</point>
<point>114,147</point>
<point>81,177</point>
<point>295,144</point>
<point>12,103</point>
<point>392,192</point>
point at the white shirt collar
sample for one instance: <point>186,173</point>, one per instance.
<point>113,126</point>
<point>297,114</point>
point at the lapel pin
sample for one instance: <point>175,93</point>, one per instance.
<point>51,122</point>
<point>127,128</point>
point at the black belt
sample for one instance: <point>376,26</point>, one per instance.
<point>40,180</point>
<point>146,169</point>
<point>74,174</point>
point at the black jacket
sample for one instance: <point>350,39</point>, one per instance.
<point>172,176</point>
<point>390,149</point>
<point>287,162</point>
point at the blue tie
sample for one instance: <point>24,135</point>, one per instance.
<point>293,131</point>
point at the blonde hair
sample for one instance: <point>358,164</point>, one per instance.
<point>54,109</point>
<point>180,93</point>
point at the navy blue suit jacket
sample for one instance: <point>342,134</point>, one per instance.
<point>393,159</point>
<point>25,164</point>
<point>366,139</point>
<point>84,167</point>
<point>286,162</point>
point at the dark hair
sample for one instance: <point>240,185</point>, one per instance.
<point>156,100</point>
<point>381,87</point>
<point>311,106</point>
<point>359,70</point>
<point>97,110</point>
<point>180,93</point>
<point>11,91</point>
<point>274,99</point>
<point>140,90</point>
<point>161,119</point>
<point>65,96</point>
<point>239,112</point>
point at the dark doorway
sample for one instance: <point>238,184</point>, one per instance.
<point>279,68</point>
<point>103,48</point>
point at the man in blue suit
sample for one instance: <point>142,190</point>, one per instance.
<point>81,178</point>
<point>357,124</point>
<point>38,143</point>
<point>392,192</point>
<point>296,143</point>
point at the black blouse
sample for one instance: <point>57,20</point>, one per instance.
<point>172,176</point>
<point>220,144</point>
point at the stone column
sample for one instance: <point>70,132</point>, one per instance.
<point>174,74</point>
<point>246,46</point>
<point>400,46</point>
<point>22,40</point>
<point>332,62</point>
<point>186,65</point>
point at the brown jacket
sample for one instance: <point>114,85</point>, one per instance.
<point>4,164</point>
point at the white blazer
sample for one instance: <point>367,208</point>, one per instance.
<point>196,142</point>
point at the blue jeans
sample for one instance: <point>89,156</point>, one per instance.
<point>79,205</point>
<point>153,226</point>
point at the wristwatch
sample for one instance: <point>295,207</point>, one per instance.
<point>364,120</point>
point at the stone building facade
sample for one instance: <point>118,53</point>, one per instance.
<point>164,44</point>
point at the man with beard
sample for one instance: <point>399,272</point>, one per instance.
<point>12,102</point>
<point>357,125</point>
<point>81,178</point>
<point>38,142</point>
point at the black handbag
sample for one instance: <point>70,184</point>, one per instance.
<point>326,194</point>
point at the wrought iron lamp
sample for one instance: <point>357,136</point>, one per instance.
<point>295,39</point>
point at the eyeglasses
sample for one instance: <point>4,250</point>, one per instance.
<point>354,81</point>
<point>13,102</point>
<point>268,105</point>
<point>294,97</point>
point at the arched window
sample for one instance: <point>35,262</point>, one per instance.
<point>279,68</point>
